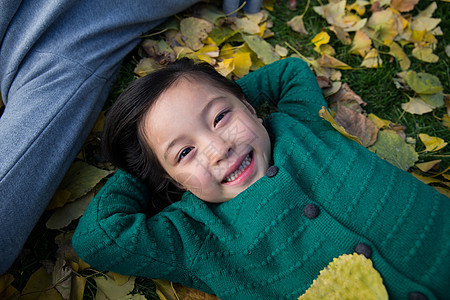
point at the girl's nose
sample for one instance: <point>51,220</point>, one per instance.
<point>217,149</point>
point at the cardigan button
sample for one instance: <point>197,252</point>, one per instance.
<point>272,171</point>
<point>311,211</point>
<point>417,296</point>
<point>364,249</point>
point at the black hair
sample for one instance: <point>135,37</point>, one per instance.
<point>123,141</point>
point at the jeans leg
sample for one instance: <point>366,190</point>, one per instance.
<point>54,90</point>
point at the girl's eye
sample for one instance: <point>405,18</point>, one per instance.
<point>220,117</point>
<point>184,152</point>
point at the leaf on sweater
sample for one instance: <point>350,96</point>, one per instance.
<point>391,147</point>
<point>78,181</point>
<point>348,277</point>
<point>107,288</point>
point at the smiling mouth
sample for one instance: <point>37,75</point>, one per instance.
<point>240,170</point>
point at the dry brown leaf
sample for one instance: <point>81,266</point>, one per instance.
<point>404,5</point>
<point>323,82</point>
<point>357,125</point>
<point>296,24</point>
<point>348,97</point>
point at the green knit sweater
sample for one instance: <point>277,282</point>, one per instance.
<point>328,196</point>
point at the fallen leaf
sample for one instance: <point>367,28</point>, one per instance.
<point>63,216</point>
<point>244,24</point>
<point>423,83</point>
<point>425,179</point>
<point>325,114</point>
<point>265,52</point>
<point>39,286</point>
<point>225,67</point>
<point>211,13</point>
<point>357,125</point>
<point>347,96</point>
<point>79,180</point>
<point>391,147</point>
<point>446,121</point>
<point>404,5</point>
<point>427,166</point>
<point>146,66</point>
<point>372,59</point>
<point>195,30</point>
<point>361,43</point>
<point>77,288</point>
<point>425,54</point>
<point>61,278</point>
<point>331,62</point>
<point>333,89</point>
<point>173,291</point>
<point>396,51</point>
<point>282,51</point>
<point>442,190</point>
<point>320,39</point>
<point>447,50</point>
<point>435,100</point>
<point>432,143</point>
<point>416,106</point>
<point>108,289</point>
<point>7,291</point>
<point>296,24</point>
<point>428,12</point>
<point>350,276</point>
<point>359,6</point>
<point>242,64</point>
<point>380,123</point>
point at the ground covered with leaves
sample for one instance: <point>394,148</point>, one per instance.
<point>383,67</point>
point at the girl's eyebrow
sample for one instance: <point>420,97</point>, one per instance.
<point>203,112</point>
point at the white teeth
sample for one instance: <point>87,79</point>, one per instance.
<point>239,171</point>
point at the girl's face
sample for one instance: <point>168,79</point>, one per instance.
<point>208,141</point>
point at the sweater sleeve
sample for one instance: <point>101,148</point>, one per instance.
<point>289,84</point>
<point>115,234</point>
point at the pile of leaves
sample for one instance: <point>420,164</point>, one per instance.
<point>377,32</point>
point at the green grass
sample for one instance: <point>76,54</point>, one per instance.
<point>374,86</point>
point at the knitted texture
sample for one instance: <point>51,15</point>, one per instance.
<point>264,244</point>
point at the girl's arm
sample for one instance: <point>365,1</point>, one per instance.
<point>290,84</point>
<point>114,233</point>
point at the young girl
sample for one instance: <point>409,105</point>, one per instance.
<point>266,207</point>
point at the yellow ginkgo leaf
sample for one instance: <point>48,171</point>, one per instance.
<point>359,6</point>
<point>425,54</point>
<point>242,64</point>
<point>396,51</point>
<point>446,121</point>
<point>425,179</point>
<point>380,123</point>
<point>384,25</point>
<point>361,43</point>
<point>432,143</point>
<point>424,23</point>
<point>417,106</point>
<point>427,166</point>
<point>331,62</point>
<point>225,67</point>
<point>325,114</point>
<point>350,276</point>
<point>282,51</point>
<point>320,39</point>
<point>296,24</point>
<point>372,59</point>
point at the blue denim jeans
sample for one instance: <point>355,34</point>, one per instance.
<point>58,59</point>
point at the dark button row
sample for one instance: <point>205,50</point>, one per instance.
<point>312,211</point>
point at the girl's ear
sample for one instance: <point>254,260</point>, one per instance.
<point>175,183</point>
<point>249,107</point>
